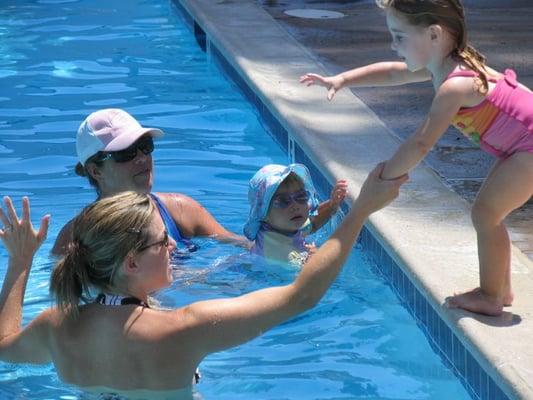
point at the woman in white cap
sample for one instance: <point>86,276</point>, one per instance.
<point>114,340</point>
<point>115,154</point>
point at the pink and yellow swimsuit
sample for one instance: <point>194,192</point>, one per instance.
<point>502,124</point>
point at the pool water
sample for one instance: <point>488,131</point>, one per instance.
<point>61,60</point>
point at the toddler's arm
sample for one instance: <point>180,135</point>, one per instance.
<point>445,105</point>
<point>379,74</point>
<point>328,208</point>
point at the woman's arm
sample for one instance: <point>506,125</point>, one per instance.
<point>389,73</point>
<point>219,324</point>
<point>328,208</point>
<point>21,242</point>
<point>447,102</point>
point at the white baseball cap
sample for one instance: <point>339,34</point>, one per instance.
<point>111,129</point>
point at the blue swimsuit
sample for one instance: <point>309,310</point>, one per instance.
<point>173,229</point>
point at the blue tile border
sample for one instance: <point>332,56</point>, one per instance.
<point>441,337</point>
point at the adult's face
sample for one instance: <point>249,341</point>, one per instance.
<point>118,176</point>
<point>153,259</point>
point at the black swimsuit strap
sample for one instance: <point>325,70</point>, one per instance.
<point>113,300</point>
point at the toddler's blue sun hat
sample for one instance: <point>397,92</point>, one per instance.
<point>262,188</point>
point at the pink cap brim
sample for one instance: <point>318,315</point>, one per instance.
<point>124,141</point>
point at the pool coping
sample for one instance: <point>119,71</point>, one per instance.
<point>345,139</point>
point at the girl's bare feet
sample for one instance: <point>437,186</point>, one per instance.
<point>478,302</point>
<point>507,299</point>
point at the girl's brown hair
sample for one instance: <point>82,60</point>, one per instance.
<point>450,15</point>
<point>104,233</point>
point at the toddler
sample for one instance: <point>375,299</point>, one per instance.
<point>284,209</point>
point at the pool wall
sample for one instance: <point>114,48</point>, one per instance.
<point>423,244</point>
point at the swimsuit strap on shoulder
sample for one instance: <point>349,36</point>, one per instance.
<point>171,226</point>
<point>116,300</point>
<point>510,76</point>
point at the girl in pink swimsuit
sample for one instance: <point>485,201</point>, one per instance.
<point>491,108</point>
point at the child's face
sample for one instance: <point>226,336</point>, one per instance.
<point>289,207</point>
<point>411,43</point>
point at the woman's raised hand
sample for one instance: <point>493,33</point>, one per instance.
<point>332,83</point>
<point>18,235</point>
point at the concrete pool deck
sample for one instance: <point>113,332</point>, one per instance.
<point>427,230</point>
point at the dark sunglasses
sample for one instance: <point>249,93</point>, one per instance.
<point>162,243</point>
<point>284,200</point>
<point>144,144</point>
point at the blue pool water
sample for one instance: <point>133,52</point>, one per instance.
<point>61,60</point>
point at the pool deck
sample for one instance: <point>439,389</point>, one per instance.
<point>427,230</point>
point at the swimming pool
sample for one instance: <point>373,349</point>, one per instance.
<point>63,59</point>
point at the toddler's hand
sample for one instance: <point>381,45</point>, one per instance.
<point>338,193</point>
<point>332,83</point>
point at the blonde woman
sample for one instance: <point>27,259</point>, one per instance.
<point>104,335</point>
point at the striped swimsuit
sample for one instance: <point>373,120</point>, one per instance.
<point>502,124</point>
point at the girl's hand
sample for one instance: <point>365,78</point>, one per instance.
<point>338,193</point>
<point>376,193</point>
<point>332,83</point>
<point>18,235</point>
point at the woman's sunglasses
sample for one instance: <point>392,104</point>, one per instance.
<point>144,144</point>
<point>162,243</point>
<point>284,200</point>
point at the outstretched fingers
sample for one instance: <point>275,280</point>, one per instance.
<point>331,93</point>
<point>19,235</point>
<point>43,228</point>
<point>6,224</point>
<point>11,213</point>
<point>26,210</point>
<point>310,79</point>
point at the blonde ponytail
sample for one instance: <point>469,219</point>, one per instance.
<point>69,278</point>
<point>104,233</point>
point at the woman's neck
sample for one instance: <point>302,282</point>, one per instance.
<point>128,292</point>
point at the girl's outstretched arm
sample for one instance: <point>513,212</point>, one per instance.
<point>448,100</point>
<point>391,73</point>
<point>328,208</point>
<point>21,241</point>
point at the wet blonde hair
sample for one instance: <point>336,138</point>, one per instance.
<point>450,15</point>
<point>104,233</point>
